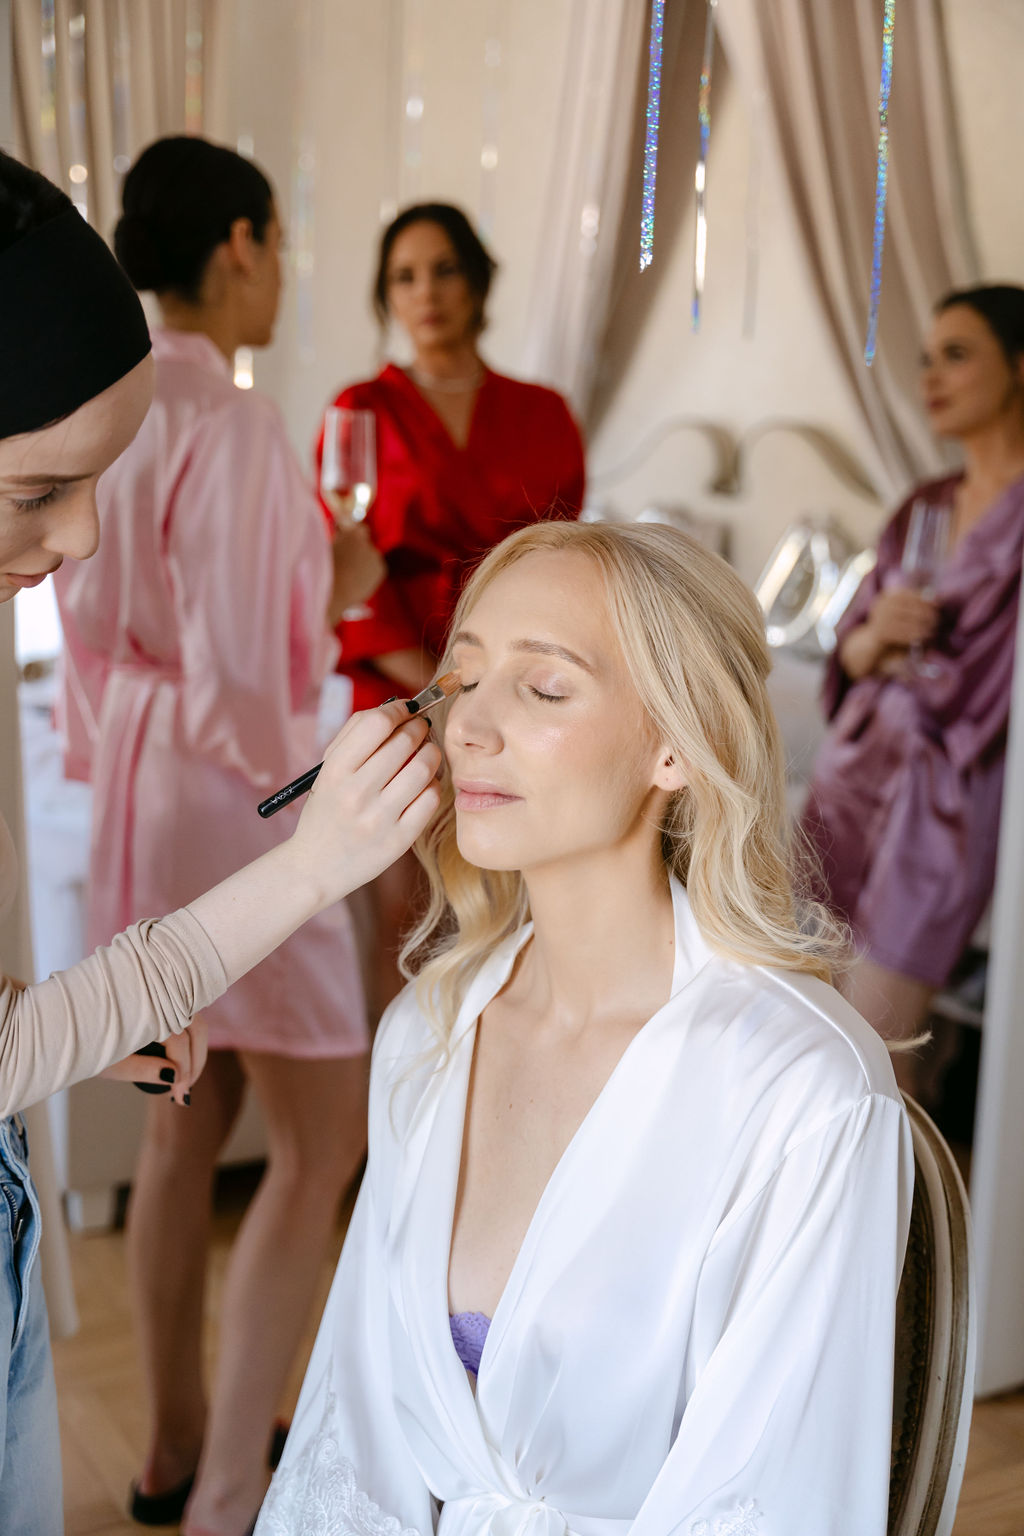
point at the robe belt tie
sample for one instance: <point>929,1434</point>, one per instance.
<point>497,1514</point>
<point>500,1514</point>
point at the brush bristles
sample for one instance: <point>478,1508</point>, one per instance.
<point>449,684</point>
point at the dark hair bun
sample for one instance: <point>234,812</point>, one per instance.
<point>139,254</point>
<point>179,201</point>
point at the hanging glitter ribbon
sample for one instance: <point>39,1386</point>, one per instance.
<point>77,119</point>
<point>194,66</point>
<point>493,61</point>
<point>391,102</point>
<point>48,120</point>
<point>700,242</point>
<point>311,21</point>
<point>121,90</point>
<point>752,240</point>
<point>881,181</point>
<point>651,135</point>
<point>412,129</point>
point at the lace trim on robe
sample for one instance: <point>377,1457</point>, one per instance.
<point>745,1520</point>
<point>317,1494</point>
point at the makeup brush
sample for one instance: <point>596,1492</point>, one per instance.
<point>442,689</point>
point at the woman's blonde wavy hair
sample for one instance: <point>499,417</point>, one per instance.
<point>693,639</point>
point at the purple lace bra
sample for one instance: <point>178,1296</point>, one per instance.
<point>469,1332</point>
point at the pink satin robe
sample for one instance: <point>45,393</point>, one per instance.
<point>196,641</point>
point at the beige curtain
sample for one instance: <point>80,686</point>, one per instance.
<point>586,189</point>
<point>116,78</point>
<point>812,68</point>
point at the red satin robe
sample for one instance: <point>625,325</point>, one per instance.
<point>440,508</point>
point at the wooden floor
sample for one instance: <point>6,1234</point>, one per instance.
<point>102,1410</point>
<point>103,1417</point>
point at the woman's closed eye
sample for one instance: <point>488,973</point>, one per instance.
<point>33,503</point>
<point>538,693</point>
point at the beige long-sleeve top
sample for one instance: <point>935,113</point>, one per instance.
<point>144,986</point>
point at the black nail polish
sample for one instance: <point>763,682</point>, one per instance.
<point>167,1074</point>
<point>187,1100</point>
<point>430,723</point>
<point>393,700</point>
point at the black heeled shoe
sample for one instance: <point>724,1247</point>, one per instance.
<point>160,1508</point>
<point>277,1443</point>
<point>168,1508</point>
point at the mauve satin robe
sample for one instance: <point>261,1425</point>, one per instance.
<point>904,804</point>
<point>440,508</point>
<point>196,642</point>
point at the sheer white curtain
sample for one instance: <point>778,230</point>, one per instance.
<point>813,68</point>
<point>586,188</point>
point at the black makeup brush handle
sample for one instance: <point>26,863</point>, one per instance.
<point>290,792</point>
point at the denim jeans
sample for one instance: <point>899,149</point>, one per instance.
<point>31,1502</point>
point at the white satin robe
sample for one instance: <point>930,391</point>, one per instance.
<point>697,1334</point>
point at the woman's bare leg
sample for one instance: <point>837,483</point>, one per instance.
<point>168,1232</point>
<point>897,1006</point>
<point>316,1122</point>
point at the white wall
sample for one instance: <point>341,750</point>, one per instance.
<point>986,44</point>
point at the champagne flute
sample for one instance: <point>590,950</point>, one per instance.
<point>348,470</point>
<point>348,473</point>
<point>924,550</point>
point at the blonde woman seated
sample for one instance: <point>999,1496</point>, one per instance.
<point>623,1133</point>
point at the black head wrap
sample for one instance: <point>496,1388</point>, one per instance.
<point>70,323</point>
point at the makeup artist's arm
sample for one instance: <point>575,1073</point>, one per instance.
<point>374,796</point>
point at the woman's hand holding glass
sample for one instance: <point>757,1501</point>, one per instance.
<point>900,618</point>
<point>359,569</point>
<point>348,485</point>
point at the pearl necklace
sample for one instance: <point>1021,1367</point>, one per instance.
<point>445,386</point>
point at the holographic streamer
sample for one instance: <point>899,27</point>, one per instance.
<point>245,143</point>
<point>304,181</point>
<point>48,114</point>
<point>881,181</point>
<point>412,156</point>
<point>651,135</point>
<point>494,57</point>
<point>391,99</point>
<point>194,66</point>
<point>700,175</point>
<point>78,168</point>
<point>121,98</point>
<point>752,240</point>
